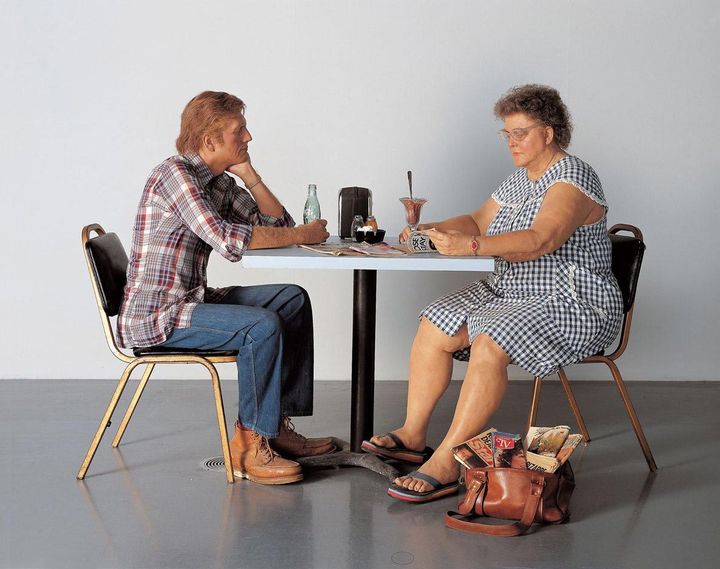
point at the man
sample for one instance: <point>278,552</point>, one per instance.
<point>191,206</point>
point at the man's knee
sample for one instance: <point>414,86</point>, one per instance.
<point>295,301</point>
<point>269,325</point>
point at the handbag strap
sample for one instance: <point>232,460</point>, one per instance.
<point>507,530</point>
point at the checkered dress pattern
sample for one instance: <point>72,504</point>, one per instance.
<point>550,312</point>
<point>184,214</point>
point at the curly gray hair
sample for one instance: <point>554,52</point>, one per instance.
<point>542,103</point>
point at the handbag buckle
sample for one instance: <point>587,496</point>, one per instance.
<point>538,484</point>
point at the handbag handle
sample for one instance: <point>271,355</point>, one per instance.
<point>506,530</point>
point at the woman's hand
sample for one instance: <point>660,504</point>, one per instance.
<point>405,233</point>
<point>451,242</point>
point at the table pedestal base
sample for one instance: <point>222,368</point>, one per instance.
<point>345,457</point>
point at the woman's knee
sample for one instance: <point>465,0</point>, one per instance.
<point>486,350</point>
<point>430,335</point>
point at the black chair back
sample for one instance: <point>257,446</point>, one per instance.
<point>109,263</point>
<point>627,256</point>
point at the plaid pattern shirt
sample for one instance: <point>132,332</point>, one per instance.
<point>184,214</point>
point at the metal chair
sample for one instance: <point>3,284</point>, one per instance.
<point>627,255</point>
<point>107,264</point>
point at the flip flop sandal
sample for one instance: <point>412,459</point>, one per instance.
<point>438,490</point>
<point>397,452</point>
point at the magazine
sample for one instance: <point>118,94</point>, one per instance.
<point>546,441</point>
<point>545,449</point>
<point>508,451</point>
<point>568,447</point>
<point>477,451</point>
<point>356,249</point>
<point>550,447</point>
<point>541,463</point>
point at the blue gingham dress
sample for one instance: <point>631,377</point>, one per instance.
<point>550,312</point>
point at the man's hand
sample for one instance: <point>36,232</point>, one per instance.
<point>244,171</point>
<point>450,242</point>
<point>313,232</point>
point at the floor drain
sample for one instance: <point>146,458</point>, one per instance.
<point>216,463</point>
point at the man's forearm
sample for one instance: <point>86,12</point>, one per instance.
<point>273,237</point>
<point>266,201</point>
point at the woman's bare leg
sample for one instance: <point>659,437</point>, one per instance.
<point>481,394</point>
<point>429,376</point>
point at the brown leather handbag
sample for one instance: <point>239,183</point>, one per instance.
<point>513,494</point>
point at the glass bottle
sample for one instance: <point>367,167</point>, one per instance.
<point>372,223</point>
<point>311,211</point>
<point>357,223</point>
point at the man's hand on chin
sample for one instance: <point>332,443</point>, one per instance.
<point>244,171</point>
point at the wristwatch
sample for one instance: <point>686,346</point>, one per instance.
<point>474,245</point>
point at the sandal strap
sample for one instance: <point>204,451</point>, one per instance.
<point>425,478</point>
<point>396,440</point>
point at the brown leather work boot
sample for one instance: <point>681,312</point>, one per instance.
<point>252,458</point>
<point>291,443</point>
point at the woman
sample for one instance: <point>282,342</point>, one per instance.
<point>551,301</point>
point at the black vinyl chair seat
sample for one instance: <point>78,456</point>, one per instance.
<point>161,351</point>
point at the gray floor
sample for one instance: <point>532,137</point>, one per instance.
<point>152,504</point>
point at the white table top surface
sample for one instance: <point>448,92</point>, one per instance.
<point>300,258</point>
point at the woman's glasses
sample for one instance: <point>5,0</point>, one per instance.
<point>518,134</point>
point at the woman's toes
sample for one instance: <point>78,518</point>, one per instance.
<point>382,441</point>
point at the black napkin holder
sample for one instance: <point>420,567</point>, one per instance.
<point>351,202</point>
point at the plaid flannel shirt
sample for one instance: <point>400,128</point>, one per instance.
<point>184,214</point>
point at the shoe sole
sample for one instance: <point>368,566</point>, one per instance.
<point>401,455</point>
<point>312,452</point>
<point>268,480</point>
<point>419,498</point>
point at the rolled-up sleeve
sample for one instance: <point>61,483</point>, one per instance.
<point>186,199</point>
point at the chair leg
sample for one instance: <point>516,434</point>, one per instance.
<point>534,403</point>
<point>573,404</point>
<point>133,404</point>
<point>220,411</point>
<point>632,414</point>
<point>105,421</point>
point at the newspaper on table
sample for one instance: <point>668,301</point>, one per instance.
<point>356,249</point>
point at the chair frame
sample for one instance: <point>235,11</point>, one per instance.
<point>149,361</point>
<point>608,360</point>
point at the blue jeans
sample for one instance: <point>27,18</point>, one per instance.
<point>271,327</point>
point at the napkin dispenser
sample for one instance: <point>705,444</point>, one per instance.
<point>351,202</point>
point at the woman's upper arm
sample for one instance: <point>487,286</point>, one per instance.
<point>564,209</point>
<point>484,215</point>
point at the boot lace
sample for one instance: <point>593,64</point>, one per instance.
<point>290,431</point>
<point>264,448</point>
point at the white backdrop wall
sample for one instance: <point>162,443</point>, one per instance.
<point>339,93</point>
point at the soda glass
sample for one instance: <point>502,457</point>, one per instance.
<point>413,206</point>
